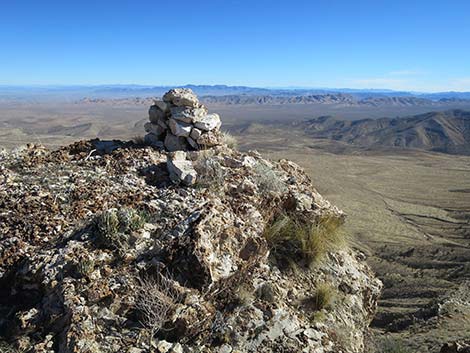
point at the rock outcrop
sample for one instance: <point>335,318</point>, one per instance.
<point>180,123</point>
<point>100,251</point>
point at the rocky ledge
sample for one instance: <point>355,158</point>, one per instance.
<point>108,246</point>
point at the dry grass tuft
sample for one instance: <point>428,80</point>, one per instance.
<point>229,140</point>
<point>324,296</point>
<point>288,236</point>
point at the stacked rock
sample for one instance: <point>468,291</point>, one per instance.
<point>179,122</point>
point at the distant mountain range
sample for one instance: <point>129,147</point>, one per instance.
<point>447,131</point>
<point>122,91</point>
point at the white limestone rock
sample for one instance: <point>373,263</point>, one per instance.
<point>208,122</point>
<point>179,128</point>
<point>180,169</point>
<point>181,97</point>
<point>186,114</point>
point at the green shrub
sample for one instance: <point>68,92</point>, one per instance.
<point>289,236</point>
<point>267,179</point>
<point>85,267</point>
<point>114,226</point>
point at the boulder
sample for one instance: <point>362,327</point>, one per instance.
<point>187,114</point>
<point>154,129</point>
<point>181,97</point>
<point>195,133</point>
<point>179,128</point>
<point>180,169</point>
<point>153,140</point>
<point>208,122</point>
<point>155,114</point>
<point>192,143</point>
<point>163,106</point>
<point>209,139</point>
<point>175,143</point>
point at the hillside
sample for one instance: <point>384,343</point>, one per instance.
<point>447,131</point>
<point>111,246</point>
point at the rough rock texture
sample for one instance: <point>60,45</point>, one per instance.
<point>180,123</point>
<point>83,228</point>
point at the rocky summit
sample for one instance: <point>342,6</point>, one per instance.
<point>180,122</point>
<point>110,246</point>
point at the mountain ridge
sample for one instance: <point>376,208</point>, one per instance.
<point>447,131</point>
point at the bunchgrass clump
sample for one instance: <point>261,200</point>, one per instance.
<point>324,296</point>
<point>229,140</point>
<point>312,240</point>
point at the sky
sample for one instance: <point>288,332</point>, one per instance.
<point>401,45</point>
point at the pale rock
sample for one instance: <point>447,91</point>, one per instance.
<point>188,114</point>
<point>154,129</point>
<point>181,97</point>
<point>180,169</point>
<point>208,122</point>
<point>313,334</point>
<point>226,348</point>
<point>178,128</point>
<point>164,346</point>
<point>155,114</point>
<point>163,106</point>
<point>177,348</point>
<point>195,133</point>
<point>175,143</point>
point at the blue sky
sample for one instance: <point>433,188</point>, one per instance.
<point>409,45</point>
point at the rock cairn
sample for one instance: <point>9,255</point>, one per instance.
<point>179,122</point>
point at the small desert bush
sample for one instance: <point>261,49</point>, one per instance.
<point>113,227</point>
<point>210,173</point>
<point>289,236</point>
<point>85,267</point>
<point>267,179</point>
<point>392,345</point>
<point>229,140</point>
<point>156,298</point>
